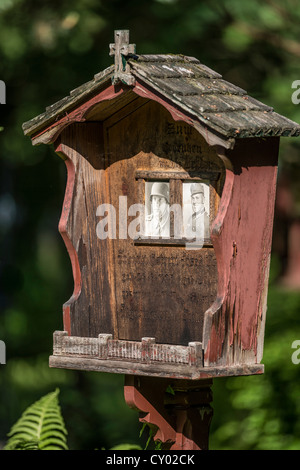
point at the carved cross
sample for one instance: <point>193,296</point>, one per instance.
<point>120,49</point>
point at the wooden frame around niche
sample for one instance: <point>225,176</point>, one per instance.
<point>176,180</point>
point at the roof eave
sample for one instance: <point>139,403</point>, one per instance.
<point>66,104</point>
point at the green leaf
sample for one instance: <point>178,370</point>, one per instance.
<point>41,426</point>
<point>126,447</point>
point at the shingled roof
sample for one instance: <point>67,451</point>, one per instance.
<point>202,92</point>
<point>192,87</point>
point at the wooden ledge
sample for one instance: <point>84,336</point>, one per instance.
<point>175,371</point>
<point>146,358</point>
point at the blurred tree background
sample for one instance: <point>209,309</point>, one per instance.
<point>48,48</point>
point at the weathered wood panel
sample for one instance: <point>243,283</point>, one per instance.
<point>91,302</point>
<point>161,291</point>
<point>127,289</point>
<point>241,234</point>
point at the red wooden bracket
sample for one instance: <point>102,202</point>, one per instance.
<point>177,411</point>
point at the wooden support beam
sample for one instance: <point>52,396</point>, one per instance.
<point>177,411</point>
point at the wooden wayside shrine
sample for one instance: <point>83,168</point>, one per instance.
<point>167,219</point>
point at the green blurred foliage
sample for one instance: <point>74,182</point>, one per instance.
<point>49,48</point>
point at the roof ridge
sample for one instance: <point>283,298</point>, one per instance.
<point>163,58</point>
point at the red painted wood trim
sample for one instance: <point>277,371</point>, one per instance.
<point>234,325</point>
<point>177,115</point>
<point>181,421</point>
<point>212,139</point>
<point>62,227</point>
<point>210,335</point>
<point>78,114</point>
<point>50,133</point>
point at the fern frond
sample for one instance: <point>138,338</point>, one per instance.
<point>41,426</point>
<point>22,444</point>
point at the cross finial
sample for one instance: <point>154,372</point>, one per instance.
<point>120,49</point>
